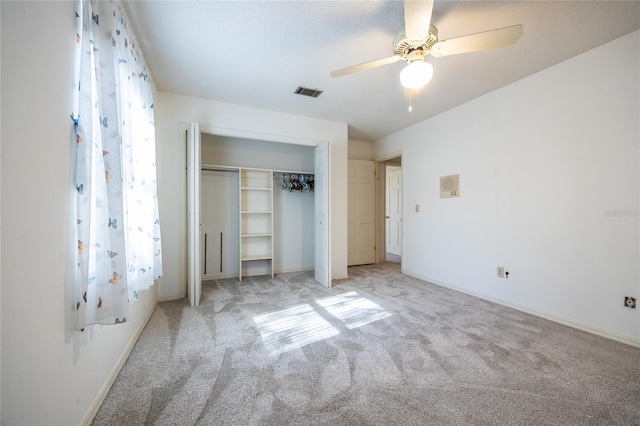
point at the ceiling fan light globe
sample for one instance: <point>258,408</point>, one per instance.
<point>416,74</point>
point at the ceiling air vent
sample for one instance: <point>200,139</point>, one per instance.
<point>314,93</point>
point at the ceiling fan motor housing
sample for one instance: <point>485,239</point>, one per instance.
<point>412,50</point>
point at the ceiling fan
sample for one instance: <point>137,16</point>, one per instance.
<point>420,38</point>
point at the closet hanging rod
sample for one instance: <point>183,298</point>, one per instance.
<point>219,169</point>
<point>282,172</point>
<point>236,169</point>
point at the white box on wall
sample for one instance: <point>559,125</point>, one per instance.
<point>450,186</point>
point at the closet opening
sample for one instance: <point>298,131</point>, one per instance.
<point>258,210</point>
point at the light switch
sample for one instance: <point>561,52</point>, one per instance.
<point>417,208</point>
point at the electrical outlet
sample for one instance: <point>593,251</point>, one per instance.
<point>630,302</point>
<point>500,271</point>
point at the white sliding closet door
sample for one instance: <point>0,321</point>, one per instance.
<point>322,266</point>
<point>194,279</point>
<point>219,217</point>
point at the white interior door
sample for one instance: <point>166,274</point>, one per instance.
<point>194,279</point>
<point>321,181</point>
<point>393,211</point>
<point>361,213</point>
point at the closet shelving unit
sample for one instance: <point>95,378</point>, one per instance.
<point>256,220</point>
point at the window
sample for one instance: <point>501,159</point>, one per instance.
<point>118,227</point>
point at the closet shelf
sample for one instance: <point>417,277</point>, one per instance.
<point>253,188</point>
<point>265,256</point>
<point>256,222</point>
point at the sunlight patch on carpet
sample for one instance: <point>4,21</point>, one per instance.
<point>352,309</point>
<point>292,328</point>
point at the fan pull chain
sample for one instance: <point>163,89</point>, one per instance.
<point>410,100</point>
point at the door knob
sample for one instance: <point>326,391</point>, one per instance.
<point>387,217</point>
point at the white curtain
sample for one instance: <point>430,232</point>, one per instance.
<point>118,228</point>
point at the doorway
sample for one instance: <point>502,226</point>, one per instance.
<point>389,211</point>
<point>393,213</point>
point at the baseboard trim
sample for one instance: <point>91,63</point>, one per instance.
<point>166,299</point>
<point>628,340</point>
<point>290,270</point>
<point>218,277</point>
<point>95,406</point>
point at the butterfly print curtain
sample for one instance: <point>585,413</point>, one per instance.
<point>118,228</point>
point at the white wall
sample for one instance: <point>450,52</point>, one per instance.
<point>173,111</point>
<point>359,150</point>
<point>540,163</point>
<point>51,375</point>
<point>250,153</point>
<point>293,229</point>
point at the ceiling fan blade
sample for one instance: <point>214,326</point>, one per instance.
<point>365,66</point>
<point>501,37</point>
<point>417,18</point>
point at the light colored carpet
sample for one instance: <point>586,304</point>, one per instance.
<point>394,258</point>
<point>379,348</point>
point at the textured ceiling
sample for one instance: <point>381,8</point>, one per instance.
<point>256,53</point>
